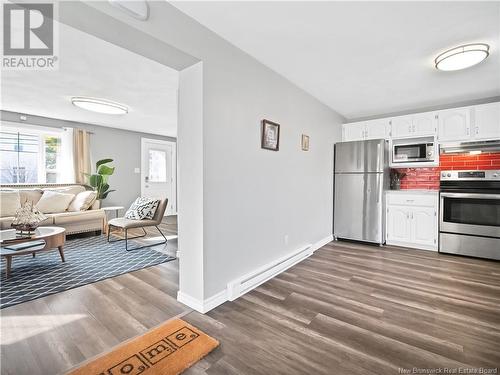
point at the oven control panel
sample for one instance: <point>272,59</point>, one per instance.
<point>486,175</point>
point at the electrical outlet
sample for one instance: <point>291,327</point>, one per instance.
<point>137,170</point>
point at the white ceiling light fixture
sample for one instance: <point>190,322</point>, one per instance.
<point>99,105</point>
<point>462,57</point>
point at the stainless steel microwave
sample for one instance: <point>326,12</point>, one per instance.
<point>413,152</point>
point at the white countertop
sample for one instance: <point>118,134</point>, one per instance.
<point>414,191</point>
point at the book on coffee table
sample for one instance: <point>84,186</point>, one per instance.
<point>24,245</point>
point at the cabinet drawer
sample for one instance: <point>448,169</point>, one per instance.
<point>423,200</point>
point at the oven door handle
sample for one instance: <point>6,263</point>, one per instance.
<point>470,195</point>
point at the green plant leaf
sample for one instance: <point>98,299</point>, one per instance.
<point>105,194</point>
<point>102,161</point>
<point>95,180</point>
<point>105,170</point>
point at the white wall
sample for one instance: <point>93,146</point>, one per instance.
<point>190,181</point>
<point>252,197</point>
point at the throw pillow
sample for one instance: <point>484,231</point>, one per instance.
<point>10,202</point>
<point>54,202</point>
<point>30,195</point>
<point>142,208</point>
<point>82,201</point>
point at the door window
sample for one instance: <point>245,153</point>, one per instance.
<point>157,166</point>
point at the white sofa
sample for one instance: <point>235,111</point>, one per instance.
<point>91,220</point>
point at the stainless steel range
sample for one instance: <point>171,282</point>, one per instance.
<point>469,221</point>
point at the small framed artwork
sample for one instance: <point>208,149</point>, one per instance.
<point>305,142</point>
<point>270,137</point>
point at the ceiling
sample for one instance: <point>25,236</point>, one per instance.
<point>89,66</point>
<point>364,58</point>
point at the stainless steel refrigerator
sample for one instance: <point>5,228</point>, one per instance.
<point>361,178</point>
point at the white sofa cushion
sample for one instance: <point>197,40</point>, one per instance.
<point>78,217</point>
<point>73,189</point>
<point>54,202</point>
<point>82,201</point>
<point>10,202</point>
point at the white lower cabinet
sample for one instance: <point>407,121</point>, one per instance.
<point>412,219</point>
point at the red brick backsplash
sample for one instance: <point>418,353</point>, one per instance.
<point>428,178</point>
<point>487,160</point>
<point>420,178</point>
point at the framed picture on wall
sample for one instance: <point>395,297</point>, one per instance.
<point>305,142</point>
<point>270,136</point>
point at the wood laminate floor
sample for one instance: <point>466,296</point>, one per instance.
<point>348,309</point>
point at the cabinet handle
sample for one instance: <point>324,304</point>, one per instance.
<point>468,131</point>
<point>412,215</point>
<point>407,215</point>
<point>477,129</point>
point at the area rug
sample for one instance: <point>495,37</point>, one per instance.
<point>166,350</point>
<point>88,260</point>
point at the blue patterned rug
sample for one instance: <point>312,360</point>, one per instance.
<point>88,260</point>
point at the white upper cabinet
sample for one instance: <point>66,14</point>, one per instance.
<point>425,124</point>
<point>402,127</point>
<point>377,129</point>
<point>486,123</point>
<point>449,125</point>
<point>353,132</point>
<point>418,125</point>
<point>373,129</point>
<point>454,124</point>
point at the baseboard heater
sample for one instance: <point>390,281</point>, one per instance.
<point>244,284</point>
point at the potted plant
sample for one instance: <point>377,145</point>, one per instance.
<point>99,180</point>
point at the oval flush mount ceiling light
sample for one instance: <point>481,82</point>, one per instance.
<point>462,57</point>
<point>99,105</point>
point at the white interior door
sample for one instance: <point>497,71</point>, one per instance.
<point>158,171</point>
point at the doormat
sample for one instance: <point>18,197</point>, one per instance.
<point>166,350</point>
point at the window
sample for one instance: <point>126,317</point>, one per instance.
<point>157,166</point>
<point>35,155</point>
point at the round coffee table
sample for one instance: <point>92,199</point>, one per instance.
<point>53,237</point>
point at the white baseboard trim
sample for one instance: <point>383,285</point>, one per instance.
<point>202,306</point>
<point>322,242</point>
<point>252,280</point>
